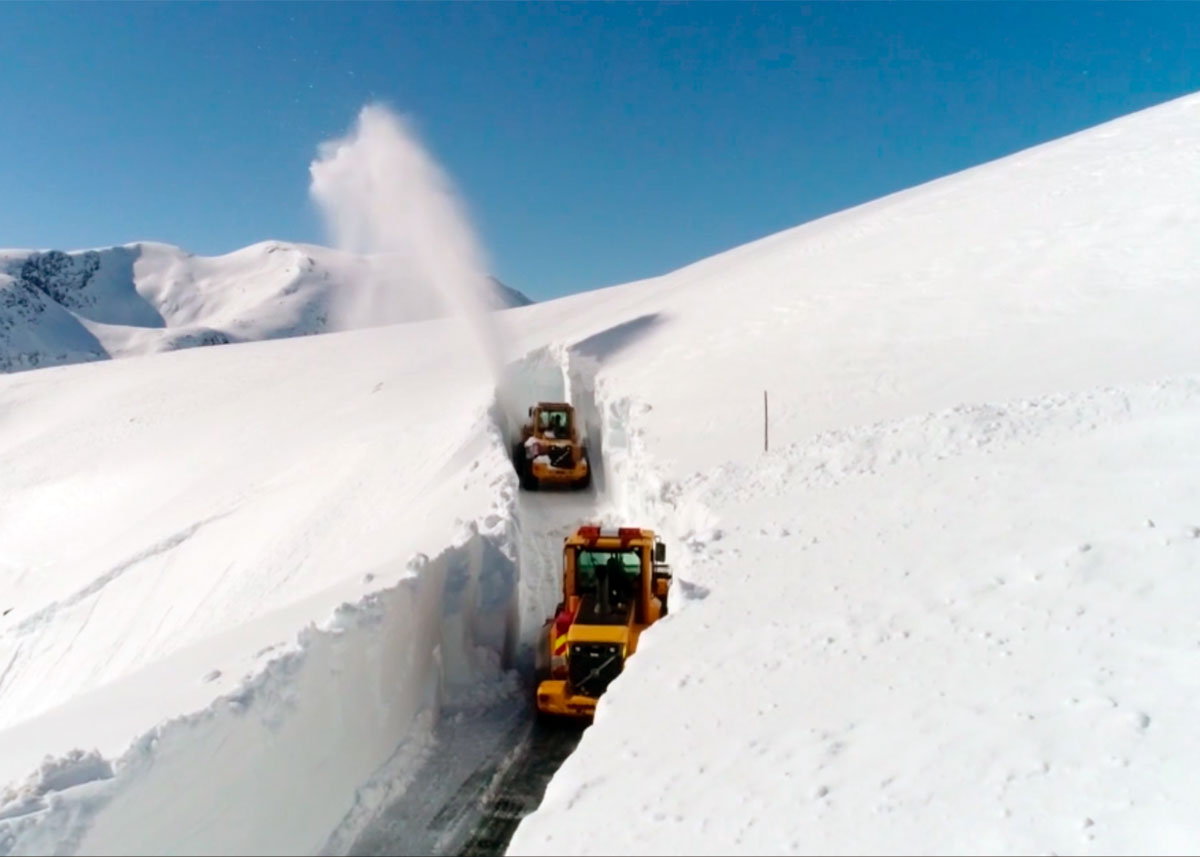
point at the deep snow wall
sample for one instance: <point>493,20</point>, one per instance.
<point>291,750</point>
<point>297,751</point>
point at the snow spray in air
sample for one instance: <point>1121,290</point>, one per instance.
<point>383,195</point>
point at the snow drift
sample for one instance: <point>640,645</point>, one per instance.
<point>945,612</point>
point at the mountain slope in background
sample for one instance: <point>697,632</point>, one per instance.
<point>58,307</point>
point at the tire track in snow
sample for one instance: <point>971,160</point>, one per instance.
<point>8,668</point>
<point>96,587</point>
<point>98,584</point>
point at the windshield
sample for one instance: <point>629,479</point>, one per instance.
<point>620,567</point>
<point>557,421</point>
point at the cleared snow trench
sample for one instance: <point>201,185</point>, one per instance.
<point>402,724</point>
<point>489,766</point>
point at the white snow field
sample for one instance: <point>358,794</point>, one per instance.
<point>951,610</point>
<point>146,297</point>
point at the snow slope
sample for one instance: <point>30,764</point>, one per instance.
<point>935,617</point>
<point>970,632</point>
<point>940,620</point>
<point>58,308</point>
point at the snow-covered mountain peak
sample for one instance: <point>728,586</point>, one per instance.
<point>67,307</point>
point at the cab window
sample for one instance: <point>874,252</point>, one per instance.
<point>591,565</point>
<point>558,421</point>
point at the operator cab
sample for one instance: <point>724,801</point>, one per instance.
<point>615,585</point>
<point>607,583</point>
<point>554,422</point>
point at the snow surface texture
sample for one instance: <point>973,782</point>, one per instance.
<point>58,308</point>
<point>948,612</point>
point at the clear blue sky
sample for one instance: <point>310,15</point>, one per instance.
<point>595,144</point>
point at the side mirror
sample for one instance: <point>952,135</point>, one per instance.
<point>531,410</point>
<point>660,552</point>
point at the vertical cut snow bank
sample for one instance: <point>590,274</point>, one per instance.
<point>276,766</point>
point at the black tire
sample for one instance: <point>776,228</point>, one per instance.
<point>524,468</point>
<point>586,482</point>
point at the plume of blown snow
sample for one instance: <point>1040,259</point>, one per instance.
<point>382,194</point>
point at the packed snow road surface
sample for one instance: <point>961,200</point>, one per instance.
<point>473,808</point>
<point>520,790</point>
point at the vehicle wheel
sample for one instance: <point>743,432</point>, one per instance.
<point>519,463</point>
<point>586,481</point>
<point>525,472</point>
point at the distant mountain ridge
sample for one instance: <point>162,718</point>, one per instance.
<point>61,307</point>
